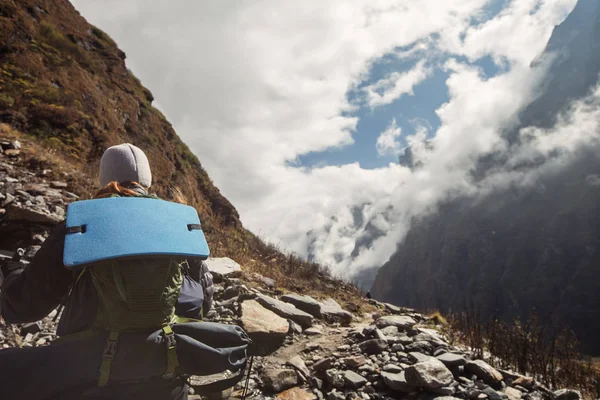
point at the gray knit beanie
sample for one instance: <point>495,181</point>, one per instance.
<point>123,163</point>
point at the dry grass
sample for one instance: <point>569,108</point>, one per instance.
<point>550,355</point>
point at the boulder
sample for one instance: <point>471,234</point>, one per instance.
<point>296,394</point>
<point>401,322</point>
<point>223,267</point>
<point>335,378</point>
<point>354,361</point>
<point>567,394</point>
<point>278,380</point>
<point>484,371</point>
<point>304,303</point>
<point>514,394</point>
<point>286,310</point>
<point>18,212</point>
<point>373,346</point>
<point>354,380</point>
<point>265,328</point>
<point>452,359</point>
<point>332,311</point>
<point>298,363</point>
<point>429,374</point>
<point>397,382</point>
<point>323,364</point>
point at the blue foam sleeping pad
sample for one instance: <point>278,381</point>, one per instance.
<point>129,227</point>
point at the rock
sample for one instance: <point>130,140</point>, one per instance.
<point>452,359</point>
<point>429,374</point>
<point>298,363</point>
<point>525,381</point>
<point>296,394</point>
<point>12,152</point>
<point>567,394</point>
<point>334,378</point>
<point>392,308</point>
<point>484,371</point>
<point>223,267</point>
<point>231,292</point>
<point>332,311</point>
<point>304,303</point>
<point>514,394</point>
<point>355,381</point>
<point>32,327</point>
<point>417,357</point>
<point>8,200</point>
<point>355,361</point>
<point>59,185</point>
<point>41,190</point>
<point>266,329</point>
<point>373,346</point>
<point>494,395</point>
<point>390,331</point>
<point>393,368</point>
<point>294,327</point>
<point>397,382</point>
<point>323,364</point>
<point>313,331</point>
<point>278,380</point>
<point>286,310</point>
<point>335,395</point>
<point>17,212</point>
<point>399,321</point>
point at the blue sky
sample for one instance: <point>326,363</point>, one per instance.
<point>409,110</point>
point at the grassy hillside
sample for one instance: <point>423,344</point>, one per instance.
<point>65,90</point>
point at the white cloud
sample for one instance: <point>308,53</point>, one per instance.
<point>387,142</point>
<point>395,85</point>
<point>250,85</point>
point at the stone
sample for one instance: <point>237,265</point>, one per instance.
<point>298,363</point>
<point>231,292</point>
<point>223,267</point>
<point>294,327</point>
<point>265,328</point>
<point>399,321</point>
<point>313,331</point>
<point>398,347</point>
<point>484,371</point>
<point>355,381</point>
<point>17,213</point>
<point>494,395</point>
<point>334,378</point>
<point>332,311</point>
<point>514,394</point>
<point>286,310</point>
<point>429,374</point>
<point>392,308</point>
<point>417,357</point>
<point>452,359</point>
<point>323,364</point>
<point>335,395</point>
<point>390,331</point>
<point>296,394</point>
<point>373,346</point>
<point>393,368</point>
<point>525,381</point>
<point>304,303</point>
<point>278,380</point>
<point>397,382</point>
<point>41,190</point>
<point>59,185</point>
<point>12,152</point>
<point>354,361</point>
<point>567,394</point>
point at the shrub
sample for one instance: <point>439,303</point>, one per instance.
<point>6,101</point>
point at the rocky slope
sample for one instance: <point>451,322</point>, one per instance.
<point>311,350</point>
<point>520,249</point>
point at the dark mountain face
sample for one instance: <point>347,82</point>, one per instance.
<point>519,249</point>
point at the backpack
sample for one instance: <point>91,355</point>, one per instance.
<point>137,252</point>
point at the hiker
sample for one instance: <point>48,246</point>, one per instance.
<point>123,295</point>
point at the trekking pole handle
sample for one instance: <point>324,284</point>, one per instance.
<point>18,254</point>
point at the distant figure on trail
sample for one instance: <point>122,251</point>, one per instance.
<point>368,295</point>
<point>117,303</point>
